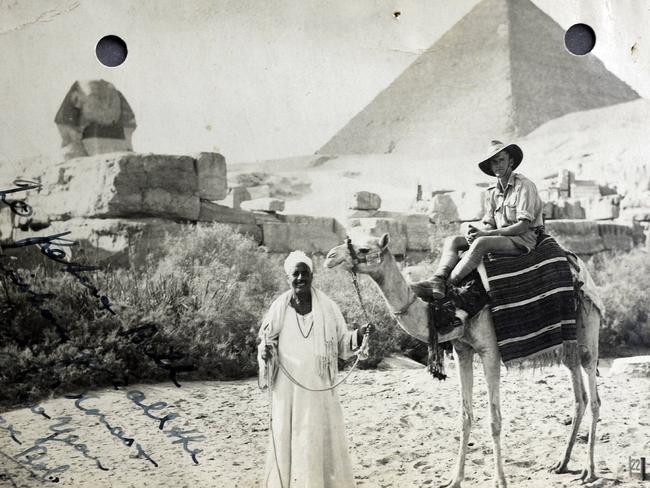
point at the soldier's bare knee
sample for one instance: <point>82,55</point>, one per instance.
<point>480,243</point>
<point>455,242</point>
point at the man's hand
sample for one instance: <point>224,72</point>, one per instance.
<point>474,232</point>
<point>361,331</point>
<point>364,328</point>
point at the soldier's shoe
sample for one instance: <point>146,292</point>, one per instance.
<point>434,288</point>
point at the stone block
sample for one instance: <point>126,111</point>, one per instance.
<point>585,189</point>
<point>263,205</point>
<point>365,200</point>
<point>580,236</point>
<point>214,212</point>
<point>607,208</point>
<point>616,237</point>
<point>443,209</point>
<point>634,367</point>
<point>568,208</point>
<point>212,174</point>
<point>311,235</point>
<point>418,231</point>
<point>119,185</point>
<point>236,195</point>
<point>259,191</point>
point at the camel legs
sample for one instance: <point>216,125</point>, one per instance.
<point>588,330</point>
<point>589,473</point>
<point>492,370</point>
<point>463,355</point>
<point>580,401</point>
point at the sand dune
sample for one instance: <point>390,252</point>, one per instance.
<point>401,425</point>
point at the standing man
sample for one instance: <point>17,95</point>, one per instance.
<point>301,338</point>
<point>509,227</point>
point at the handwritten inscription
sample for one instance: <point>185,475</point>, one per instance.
<point>58,430</point>
<point>10,429</point>
<point>39,453</point>
<point>115,431</point>
<point>19,207</point>
<point>184,437</point>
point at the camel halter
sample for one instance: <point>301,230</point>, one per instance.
<point>372,258</point>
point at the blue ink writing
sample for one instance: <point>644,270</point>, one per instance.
<point>114,431</point>
<point>137,397</point>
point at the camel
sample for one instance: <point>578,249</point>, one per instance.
<point>374,259</point>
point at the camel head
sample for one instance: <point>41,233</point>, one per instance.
<point>366,251</point>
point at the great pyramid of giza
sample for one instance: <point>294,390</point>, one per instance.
<point>500,72</point>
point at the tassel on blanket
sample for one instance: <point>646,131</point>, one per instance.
<point>439,312</point>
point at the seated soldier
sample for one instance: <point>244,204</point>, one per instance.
<point>510,225</point>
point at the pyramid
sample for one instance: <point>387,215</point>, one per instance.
<point>500,72</point>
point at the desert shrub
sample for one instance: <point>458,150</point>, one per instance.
<point>623,280</point>
<point>198,306</point>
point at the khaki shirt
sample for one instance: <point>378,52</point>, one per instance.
<point>518,201</point>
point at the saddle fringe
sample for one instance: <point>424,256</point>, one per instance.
<point>565,353</point>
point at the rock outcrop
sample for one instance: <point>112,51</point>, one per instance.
<point>634,367</point>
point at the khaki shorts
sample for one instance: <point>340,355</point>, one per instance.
<point>526,241</point>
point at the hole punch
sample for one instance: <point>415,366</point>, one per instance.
<point>579,39</point>
<point>111,51</point>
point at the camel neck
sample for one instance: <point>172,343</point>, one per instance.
<point>397,294</point>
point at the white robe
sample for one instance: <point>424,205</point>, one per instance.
<point>307,427</point>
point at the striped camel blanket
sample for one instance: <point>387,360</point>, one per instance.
<point>532,300</point>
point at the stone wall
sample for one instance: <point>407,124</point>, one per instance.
<point>120,206</point>
<point>588,237</point>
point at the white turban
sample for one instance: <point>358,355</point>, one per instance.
<point>294,258</point>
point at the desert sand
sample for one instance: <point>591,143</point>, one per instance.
<point>401,426</point>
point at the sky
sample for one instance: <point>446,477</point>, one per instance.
<point>254,80</point>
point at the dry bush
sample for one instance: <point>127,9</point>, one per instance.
<point>623,280</point>
<point>198,306</point>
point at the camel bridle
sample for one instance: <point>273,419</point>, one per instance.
<point>371,258</point>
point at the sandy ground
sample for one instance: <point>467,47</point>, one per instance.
<point>401,425</point>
